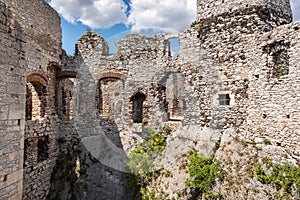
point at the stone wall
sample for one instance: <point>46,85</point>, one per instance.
<point>40,151</point>
<point>41,25</point>
<point>143,68</point>
<point>213,85</point>
<point>42,31</point>
<point>12,104</point>
<point>238,81</point>
<point>112,85</point>
<point>258,72</point>
<point>273,111</point>
<point>31,53</point>
<point>118,96</point>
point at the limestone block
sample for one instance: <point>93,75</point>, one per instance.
<point>14,177</point>
<point>16,89</point>
<point>16,111</point>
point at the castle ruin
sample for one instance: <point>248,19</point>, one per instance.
<point>237,75</point>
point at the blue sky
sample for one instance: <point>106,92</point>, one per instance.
<point>113,19</point>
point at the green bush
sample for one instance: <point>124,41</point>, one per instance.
<point>283,177</point>
<point>203,174</point>
<point>141,162</point>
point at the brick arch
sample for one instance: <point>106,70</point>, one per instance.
<point>66,74</point>
<point>36,98</point>
<point>111,75</point>
<point>37,77</point>
<point>54,64</point>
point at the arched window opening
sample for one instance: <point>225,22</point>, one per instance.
<point>35,100</point>
<point>137,107</point>
<point>109,90</point>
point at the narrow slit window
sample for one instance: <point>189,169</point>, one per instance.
<point>28,104</point>
<point>25,157</point>
<point>64,101</point>
<point>224,99</point>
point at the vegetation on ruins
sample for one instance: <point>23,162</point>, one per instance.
<point>284,177</point>
<point>204,172</point>
<point>194,23</point>
<point>64,173</point>
<point>142,163</point>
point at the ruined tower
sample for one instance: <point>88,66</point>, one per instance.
<point>266,14</point>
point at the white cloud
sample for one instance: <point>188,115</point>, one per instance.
<point>93,13</point>
<point>176,15</point>
<point>165,14</point>
<point>296,9</point>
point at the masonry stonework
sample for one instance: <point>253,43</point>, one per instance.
<point>31,44</point>
<point>235,82</point>
<point>12,105</point>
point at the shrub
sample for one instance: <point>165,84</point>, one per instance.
<point>203,174</point>
<point>141,162</point>
<point>283,177</point>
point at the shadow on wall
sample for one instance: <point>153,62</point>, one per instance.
<point>81,171</point>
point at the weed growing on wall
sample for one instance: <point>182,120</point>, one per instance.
<point>64,176</point>
<point>142,163</point>
<point>204,173</point>
<point>194,23</point>
<point>284,177</point>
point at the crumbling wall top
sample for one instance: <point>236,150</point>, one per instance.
<point>134,44</point>
<point>92,41</point>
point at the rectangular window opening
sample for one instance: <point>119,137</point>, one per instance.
<point>224,99</point>
<point>43,153</point>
